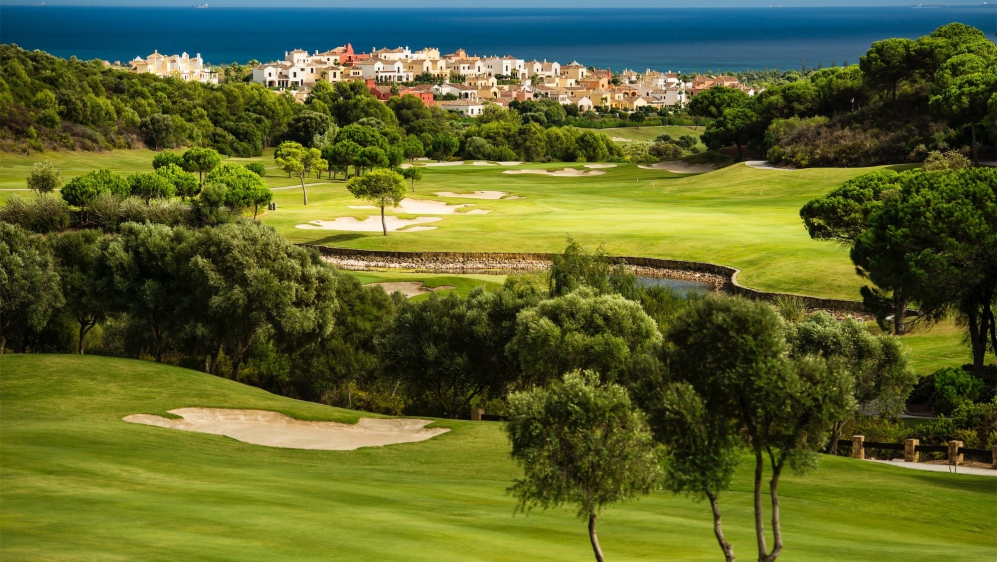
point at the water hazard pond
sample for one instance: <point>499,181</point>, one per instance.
<point>678,285</point>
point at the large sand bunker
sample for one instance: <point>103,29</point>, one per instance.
<point>475,195</point>
<point>565,173</point>
<point>272,429</point>
<point>680,167</point>
<point>597,166</point>
<point>422,206</point>
<point>371,224</point>
<point>408,288</point>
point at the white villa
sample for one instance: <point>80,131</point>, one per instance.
<point>181,66</point>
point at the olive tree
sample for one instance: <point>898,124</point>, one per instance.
<point>299,161</point>
<point>44,178</point>
<point>85,284</point>
<point>580,443</point>
<point>380,187</point>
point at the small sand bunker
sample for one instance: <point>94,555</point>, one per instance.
<point>509,163</point>
<point>597,166</point>
<point>409,288</point>
<point>405,166</point>
<point>482,163</point>
<point>458,163</point>
<point>272,429</point>
<point>475,195</point>
<point>764,165</point>
<point>680,167</point>
<point>621,139</point>
<point>422,206</point>
<point>371,224</point>
<point>565,173</point>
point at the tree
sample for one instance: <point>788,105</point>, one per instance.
<point>878,365</point>
<point>408,109</point>
<point>733,353</point>
<point>298,160</point>
<point>165,159</point>
<point>446,348</point>
<point>150,186</point>
<point>443,147</point>
<point>580,331</point>
<point>158,130</point>
<point>581,443</point>
<point>938,234</point>
<point>736,126</point>
<point>82,190</point>
<point>305,126</point>
<point>244,188</point>
<point>200,160</point>
<point>85,285</point>
<point>29,283</point>
<point>341,155</point>
<point>184,183</point>
<point>715,101</point>
<point>380,187</point>
<point>369,158</point>
<point>965,101</point>
<point>888,63</point>
<point>351,101</point>
<point>413,174</point>
<point>44,178</point>
<point>412,148</point>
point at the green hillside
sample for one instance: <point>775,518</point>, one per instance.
<point>80,484</point>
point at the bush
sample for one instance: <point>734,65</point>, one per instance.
<point>42,215</point>
<point>258,168</point>
<point>44,177</point>
<point>954,387</point>
<point>950,160</point>
<point>666,151</point>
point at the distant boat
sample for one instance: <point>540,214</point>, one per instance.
<point>199,6</point>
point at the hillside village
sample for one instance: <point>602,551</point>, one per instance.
<point>458,81</point>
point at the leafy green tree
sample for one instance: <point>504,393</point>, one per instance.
<point>244,189</point>
<point>165,158</point>
<point>258,168</point>
<point>446,348</point>
<point>150,186</point>
<point>299,161</point>
<point>305,126</point>
<point>413,175</point>
<point>412,148</point>
<point>878,365</point>
<point>43,214</point>
<point>85,285</point>
<point>409,109</point>
<point>736,126</point>
<point>951,160</point>
<point>581,331</point>
<point>380,187</point>
<point>369,158</point>
<point>444,146</point>
<point>888,63</point>
<point>733,353</point>
<point>715,101</point>
<point>82,190</point>
<point>351,101</point>
<point>200,160</point>
<point>30,291</point>
<point>939,234</point>
<point>184,183</point>
<point>44,177</point>
<point>158,130</point>
<point>341,155</point>
<point>580,443</point>
<point>965,101</point>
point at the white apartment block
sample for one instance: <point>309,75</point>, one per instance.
<point>181,66</point>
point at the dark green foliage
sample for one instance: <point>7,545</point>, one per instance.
<point>164,159</point>
<point>305,126</point>
<point>29,285</point>
<point>200,160</point>
<point>83,189</point>
<point>185,184</point>
<point>41,214</point>
<point>151,186</point>
<point>580,443</point>
<point>715,101</point>
<point>258,168</point>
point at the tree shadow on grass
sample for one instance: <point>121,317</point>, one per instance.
<point>337,238</point>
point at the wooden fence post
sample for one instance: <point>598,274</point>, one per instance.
<point>954,457</point>
<point>858,450</point>
<point>476,414</point>
<point>910,450</point>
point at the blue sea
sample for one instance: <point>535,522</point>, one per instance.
<point>683,40</point>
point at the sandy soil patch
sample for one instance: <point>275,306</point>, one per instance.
<point>510,163</point>
<point>298,186</point>
<point>621,139</point>
<point>408,288</point>
<point>422,206</point>
<point>460,163</point>
<point>482,163</point>
<point>565,173</point>
<point>940,466</point>
<point>680,167</point>
<point>371,224</point>
<point>764,165</point>
<point>475,195</point>
<point>272,429</point>
<point>597,166</point>
<point>405,165</point>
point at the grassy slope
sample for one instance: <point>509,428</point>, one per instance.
<point>78,483</point>
<point>651,133</point>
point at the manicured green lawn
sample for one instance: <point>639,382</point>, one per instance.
<point>651,133</point>
<point>80,484</point>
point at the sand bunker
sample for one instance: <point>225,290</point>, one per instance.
<point>621,139</point>
<point>482,163</point>
<point>597,166</point>
<point>475,195</point>
<point>371,224</point>
<point>510,163</point>
<point>565,173</point>
<point>459,163</point>
<point>409,288</point>
<point>680,167</point>
<point>272,429</point>
<point>422,206</point>
<point>764,165</point>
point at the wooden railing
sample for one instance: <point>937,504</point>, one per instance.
<point>912,450</point>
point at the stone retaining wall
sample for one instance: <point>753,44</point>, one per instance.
<point>721,277</point>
